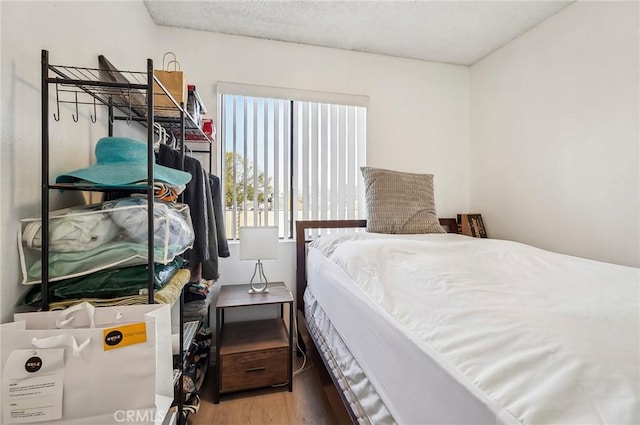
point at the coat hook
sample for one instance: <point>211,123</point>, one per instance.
<point>129,116</point>
<point>94,117</point>
<point>76,117</point>
<point>111,119</point>
<point>57,117</point>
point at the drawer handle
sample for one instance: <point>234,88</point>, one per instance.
<point>255,369</point>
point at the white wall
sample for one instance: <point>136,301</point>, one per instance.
<point>555,134</point>
<point>417,118</point>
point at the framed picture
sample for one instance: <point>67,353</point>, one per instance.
<point>472,225</point>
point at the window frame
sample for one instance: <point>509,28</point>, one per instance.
<point>292,96</point>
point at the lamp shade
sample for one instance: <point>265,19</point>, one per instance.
<point>258,243</point>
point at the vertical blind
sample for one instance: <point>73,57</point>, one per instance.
<point>287,160</point>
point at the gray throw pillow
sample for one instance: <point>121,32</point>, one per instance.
<point>399,202</point>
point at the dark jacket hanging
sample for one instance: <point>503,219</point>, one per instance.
<point>194,196</point>
<point>218,210</point>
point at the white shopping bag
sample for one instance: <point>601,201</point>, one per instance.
<point>117,361</point>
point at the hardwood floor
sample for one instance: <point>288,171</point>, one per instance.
<point>314,400</point>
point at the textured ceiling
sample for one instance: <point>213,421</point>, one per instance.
<point>457,32</point>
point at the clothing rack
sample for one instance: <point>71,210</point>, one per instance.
<point>87,86</point>
<point>82,82</point>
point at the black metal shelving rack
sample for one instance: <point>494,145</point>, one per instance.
<point>86,86</point>
<point>70,83</point>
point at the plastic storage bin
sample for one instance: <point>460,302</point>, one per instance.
<point>111,234</point>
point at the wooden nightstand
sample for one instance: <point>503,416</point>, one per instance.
<point>257,353</point>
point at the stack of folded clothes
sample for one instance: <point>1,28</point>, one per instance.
<point>99,253</point>
<point>116,286</point>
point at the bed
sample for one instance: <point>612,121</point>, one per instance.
<point>441,328</point>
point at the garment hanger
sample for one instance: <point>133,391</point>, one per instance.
<point>162,136</point>
<point>170,140</point>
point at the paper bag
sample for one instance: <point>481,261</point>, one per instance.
<point>117,361</point>
<point>174,83</point>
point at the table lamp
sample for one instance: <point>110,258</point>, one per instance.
<point>258,243</point>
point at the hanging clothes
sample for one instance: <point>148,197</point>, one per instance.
<point>209,268</point>
<point>195,195</point>
<point>218,246</point>
<point>218,212</point>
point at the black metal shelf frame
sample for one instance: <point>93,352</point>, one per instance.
<point>79,81</point>
<point>74,85</point>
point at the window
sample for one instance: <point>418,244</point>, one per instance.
<point>286,160</point>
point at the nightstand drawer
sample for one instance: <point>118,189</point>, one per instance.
<point>255,369</point>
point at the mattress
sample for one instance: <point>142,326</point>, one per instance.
<point>363,400</point>
<point>451,329</point>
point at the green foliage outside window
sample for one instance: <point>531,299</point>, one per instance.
<point>236,162</point>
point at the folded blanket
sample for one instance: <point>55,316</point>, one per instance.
<point>167,295</point>
<point>107,284</point>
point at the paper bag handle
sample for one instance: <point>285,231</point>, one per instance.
<point>175,62</point>
<point>176,66</point>
<point>64,319</point>
<point>65,340</point>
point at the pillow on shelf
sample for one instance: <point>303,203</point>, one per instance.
<point>399,202</point>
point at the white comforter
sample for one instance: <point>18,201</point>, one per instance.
<point>542,337</point>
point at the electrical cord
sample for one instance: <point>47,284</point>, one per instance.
<point>301,369</point>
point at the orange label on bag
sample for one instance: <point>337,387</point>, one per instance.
<point>124,335</point>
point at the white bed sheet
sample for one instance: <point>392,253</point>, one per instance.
<point>471,332</point>
<point>415,389</point>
